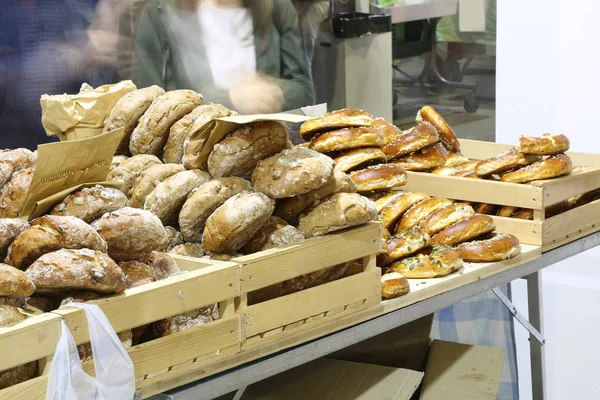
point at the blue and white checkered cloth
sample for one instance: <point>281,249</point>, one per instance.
<point>483,320</point>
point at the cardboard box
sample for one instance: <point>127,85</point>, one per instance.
<point>337,380</point>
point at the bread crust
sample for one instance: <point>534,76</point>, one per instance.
<point>455,159</point>
<point>83,269</point>
<point>397,206</point>
<point>13,194</point>
<point>235,222</point>
<point>505,161</point>
<point>130,169</point>
<point>172,238</point>
<point>290,208</point>
<point>89,204</point>
<point>379,177</point>
<point>10,228</point>
<point>127,112</point>
<point>499,247</point>
<point>169,196</point>
<point>389,131</point>
<point>486,209</point>
<point>524,213</point>
<point>345,118</point>
<point>506,211</point>
<point>407,243</point>
<point>447,135</point>
<point>10,316</point>
<point>420,211</point>
<point>239,152</point>
<point>152,131</point>
<point>162,265</point>
<point>50,233</point>
<point>552,167</point>
<point>192,146</point>
<point>347,138</point>
<point>444,217</point>
<point>274,233</point>
<point>442,261</point>
<point>14,283</point>
<point>195,250</point>
<point>137,273</point>
<point>132,234</point>
<point>359,158</point>
<point>203,201</point>
<point>180,132</point>
<point>465,230</point>
<point>414,139</point>
<point>336,212</point>
<point>149,179</point>
<point>545,145</point>
<point>430,157</point>
<point>292,172</point>
<point>394,284</point>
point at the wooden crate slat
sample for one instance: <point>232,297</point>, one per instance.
<point>183,346</point>
<point>284,310</point>
<point>585,218</point>
<point>33,339</point>
<point>563,188</point>
<point>33,389</point>
<point>528,232</point>
<point>481,150</point>
<point>262,270</point>
<point>158,300</point>
<point>479,190</point>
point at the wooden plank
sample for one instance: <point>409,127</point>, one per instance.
<point>528,232</point>
<point>479,190</point>
<point>560,189</point>
<point>33,389</point>
<point>158,300</point>
<point>33,339</point>
<point>287,309</point>
<point>462,372</point>
<point>183,346</point>
<point>277,265</point>
<point>566,227</point>
<point>192,263</point>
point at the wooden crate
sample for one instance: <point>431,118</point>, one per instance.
<point>206,283</point>
<point>546,232</point>
<point>278,317</point>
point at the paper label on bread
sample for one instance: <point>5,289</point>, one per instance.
<point>214,131</point>
<point>67,165</point>
<point>82,115</point>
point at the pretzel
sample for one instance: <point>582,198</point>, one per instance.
<point>442,261</point>
<point>552,167</point>
<point>505,161</point>
<point>447,135</point>
<point>545,145</point>
<point>497,247</point>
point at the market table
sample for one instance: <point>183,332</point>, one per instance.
<point>256,368</point>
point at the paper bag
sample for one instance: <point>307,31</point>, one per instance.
<point>82,115</point>
<point>65,165</point>
<point>214,131</point>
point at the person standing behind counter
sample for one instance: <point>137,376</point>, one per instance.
<point>244,54</point>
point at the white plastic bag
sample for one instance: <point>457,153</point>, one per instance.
<point>115,378</point>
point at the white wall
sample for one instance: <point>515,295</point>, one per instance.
<point>548,79</point>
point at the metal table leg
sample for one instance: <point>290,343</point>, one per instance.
<point>538,372</point>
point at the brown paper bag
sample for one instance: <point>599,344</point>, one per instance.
<point>213,132</point>
<point>82,115</point>
<point>65,165</point>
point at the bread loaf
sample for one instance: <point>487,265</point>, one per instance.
<point>131,234</point>
<point>188,250</point>
<point>6,172</point>
<point>10,316</point>
<point>172,238</point>
<point>84,269</point>
<point>50,233</point>
<point>136,273</point>
<point>338,211</point>
<point>290,208</point>
<point>239,152</point>
<point>292,172</point>
<point>179,133</point>
<point>359,158</point>
<point>193,145</point>
<point>127,112</point>
<point>203,201</point>
<point>234,223</point>
<point>129,170</point>
<point>18,159</point>
<point>167,199</point>
<point>10,228</point>
<point>13,194</point>
<point>151,133</point>
<point>14,283</point>
<point>89,204</point>
<point>148,181</point>
<point>185,321</point>
<point>346,118</point>
<point>162,265</point>
<point>222,257</point>
<point>275,233</point>
<point>117,160</point>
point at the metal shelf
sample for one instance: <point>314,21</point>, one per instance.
<point>266,367</point>
<point>409,11</point>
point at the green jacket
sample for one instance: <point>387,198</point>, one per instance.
<point>158,63</point>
